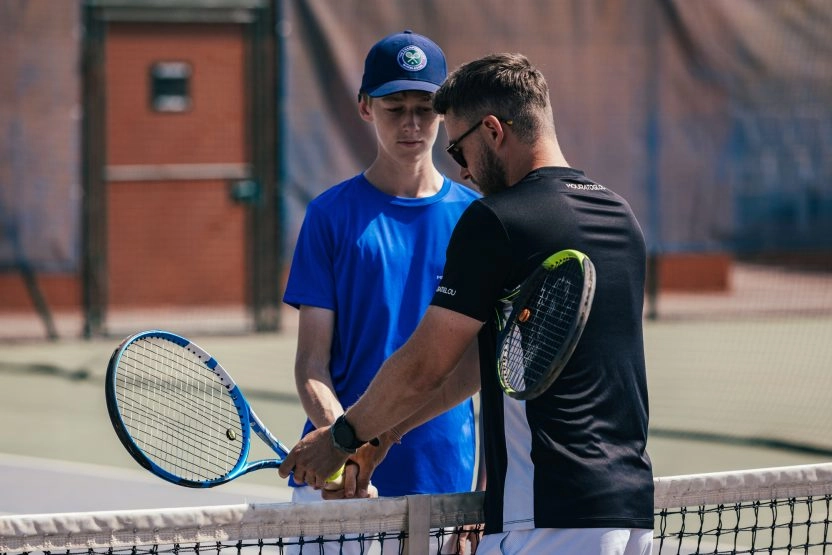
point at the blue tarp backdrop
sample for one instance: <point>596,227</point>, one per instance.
<point>713,118</point>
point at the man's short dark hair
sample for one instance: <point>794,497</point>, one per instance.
<point>506,85</point>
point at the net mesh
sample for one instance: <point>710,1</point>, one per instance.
<point>775,510</point>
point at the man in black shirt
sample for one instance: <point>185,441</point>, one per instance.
<point>568,471</point>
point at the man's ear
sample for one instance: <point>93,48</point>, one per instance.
<point>494,126</point>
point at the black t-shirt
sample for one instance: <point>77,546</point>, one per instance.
<point>575,456</point>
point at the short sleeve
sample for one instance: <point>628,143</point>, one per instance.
<point>311,277</point>
<point>477,264</point>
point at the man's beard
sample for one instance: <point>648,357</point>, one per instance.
<point>493,174</point>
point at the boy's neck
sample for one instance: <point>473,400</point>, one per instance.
<point>419,181</point>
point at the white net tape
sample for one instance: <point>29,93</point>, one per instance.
<point>799,495</point>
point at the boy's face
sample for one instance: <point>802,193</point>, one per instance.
<point>406,125</point>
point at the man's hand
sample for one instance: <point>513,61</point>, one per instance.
<point>359,469</point>
<point>349,488</point>
<point>313,459</point>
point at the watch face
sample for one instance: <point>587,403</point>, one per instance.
<point>344,434</point>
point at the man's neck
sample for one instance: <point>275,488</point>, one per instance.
<point>544,154</point>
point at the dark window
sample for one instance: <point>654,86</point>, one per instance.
<point>170,86</point>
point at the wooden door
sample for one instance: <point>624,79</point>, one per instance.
<point>175,141</point>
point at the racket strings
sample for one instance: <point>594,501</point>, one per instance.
<point>161,422</point>
<point>534,340</point>
<point>171,426</point>
<point>177,411</point>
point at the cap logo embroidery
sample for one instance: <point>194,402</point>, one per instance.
<point>412,58</point>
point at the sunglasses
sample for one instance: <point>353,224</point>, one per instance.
<point>456,152</point>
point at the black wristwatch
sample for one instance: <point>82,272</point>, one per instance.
<point>343,435</point>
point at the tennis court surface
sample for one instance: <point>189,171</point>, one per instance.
<point>736,383</point>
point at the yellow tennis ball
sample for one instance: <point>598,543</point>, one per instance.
<point>336,481</point>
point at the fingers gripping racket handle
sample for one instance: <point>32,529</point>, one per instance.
<point>335,481</point>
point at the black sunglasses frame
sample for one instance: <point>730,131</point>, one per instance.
<point>454,150</point>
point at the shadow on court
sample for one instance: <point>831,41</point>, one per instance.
<point>59,453</point>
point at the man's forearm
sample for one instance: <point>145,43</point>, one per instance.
<point>460,386</point>
<point>420,376</point>
<point>391,398</point>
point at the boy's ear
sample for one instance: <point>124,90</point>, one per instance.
<point>364,105</point>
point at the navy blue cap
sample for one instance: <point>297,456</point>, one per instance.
<point>405,61</point>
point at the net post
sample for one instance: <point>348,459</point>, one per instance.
<point>418,524</point>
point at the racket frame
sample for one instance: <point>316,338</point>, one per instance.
<point>519,302</point>
<point>249,421</point>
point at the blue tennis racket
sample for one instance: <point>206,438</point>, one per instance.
<point>180,415</point>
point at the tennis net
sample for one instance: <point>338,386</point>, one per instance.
<point>774,510</point>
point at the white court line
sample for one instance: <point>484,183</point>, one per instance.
<point>30,485</point>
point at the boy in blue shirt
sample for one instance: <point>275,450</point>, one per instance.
<point>368,259</point>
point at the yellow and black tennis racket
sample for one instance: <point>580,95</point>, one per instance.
<point>548,315</point>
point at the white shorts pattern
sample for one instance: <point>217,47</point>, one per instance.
<point>569,541</point>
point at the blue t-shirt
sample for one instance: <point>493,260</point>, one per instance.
<point>376,260</point>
